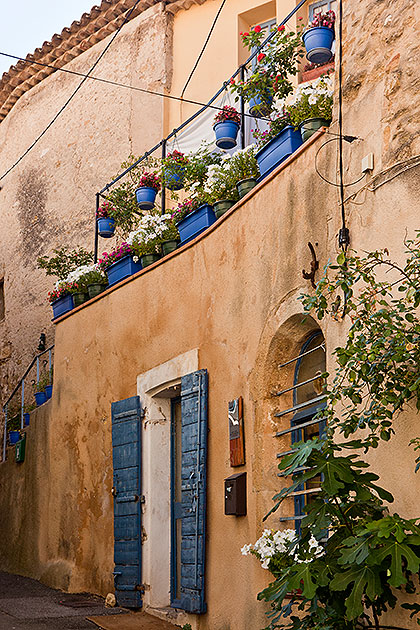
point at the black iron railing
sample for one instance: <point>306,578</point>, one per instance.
<point>210,105</point>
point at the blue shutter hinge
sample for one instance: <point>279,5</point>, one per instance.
<point>142,498</point>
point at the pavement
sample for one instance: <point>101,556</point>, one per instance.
<point>26,604</point>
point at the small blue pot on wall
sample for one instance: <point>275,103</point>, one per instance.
<point>196,222</point>
<point>146,197</point>
<point>106,227</point>
<point>121,269</point>
<point>14,437</point>
<point>40,398</point>
<point>62,305</point>
<point>26,418</point>
<point>318,43</point>
<point>48,391</point>
<point>277,150</point>
<point>226,133</point>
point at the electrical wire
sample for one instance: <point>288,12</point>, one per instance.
<point>73,94</point>
<point>204,47</point>
<point>341,183</point>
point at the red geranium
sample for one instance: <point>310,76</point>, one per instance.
<point>228,113</point>
<point>150,180</point>
<point>257,29</point>
<point>260,57</point>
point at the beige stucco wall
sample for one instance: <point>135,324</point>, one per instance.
<point>233,295</point>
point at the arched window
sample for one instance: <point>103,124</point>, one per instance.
<point>308,399</point>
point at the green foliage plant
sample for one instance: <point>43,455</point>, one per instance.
<point>122,196</point>
<point>243,164</point>
<point>221,181</point>
<point>63,261</point>
<point>276,63</point>
<point>371,555</point>
<point>196,171</point>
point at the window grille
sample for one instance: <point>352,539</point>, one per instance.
<point>308,399</point>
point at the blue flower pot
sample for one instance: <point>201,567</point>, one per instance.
<point>48,391</point>
<point>26,419</point>
<point>121,269</point>
<point>174,178</point>
<point>196,222</point>
<point>62,305</point>
<point>318,42</point>
<point>40,398</point>
<point>146,197</point>
<point>261,105</point>
<point>226,133</point>
<point>14,437</point>
<point>277,150</point>
<point>106,227</point>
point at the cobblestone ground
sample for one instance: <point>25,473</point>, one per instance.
<point>26,604</point>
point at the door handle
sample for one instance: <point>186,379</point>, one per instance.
<point>114,491</point>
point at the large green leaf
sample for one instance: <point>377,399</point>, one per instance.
<point>395,552</point>
<point>365,580</point>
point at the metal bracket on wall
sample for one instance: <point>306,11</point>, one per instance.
<point>314,266</point>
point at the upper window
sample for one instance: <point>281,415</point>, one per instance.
<point>321,7</point>
<point>266,28</point>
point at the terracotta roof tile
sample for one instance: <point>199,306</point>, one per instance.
<point>71,42</point>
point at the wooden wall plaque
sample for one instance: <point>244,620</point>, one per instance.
<point>236,432</point>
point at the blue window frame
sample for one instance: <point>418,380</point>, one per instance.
<point>307,387</point>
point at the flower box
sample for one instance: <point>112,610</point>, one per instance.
<point>121,269</point>
<point>277,150</point>
<point>315,73</point>
<point>196,222</point>
<point>62,305</point>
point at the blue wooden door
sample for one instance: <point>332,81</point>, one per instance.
<point>126,453</point>
<point>193,490</point>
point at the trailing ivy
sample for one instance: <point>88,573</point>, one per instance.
<point>371,555</point>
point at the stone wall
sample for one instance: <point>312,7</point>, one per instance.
<point>48,200</point>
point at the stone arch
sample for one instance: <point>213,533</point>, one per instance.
<point>284,334</point>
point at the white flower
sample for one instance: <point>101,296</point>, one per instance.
<point>246,550</point>
<point>136,259</point>
<point>312,100</point>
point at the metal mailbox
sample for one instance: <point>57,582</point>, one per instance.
<point>235,494</point>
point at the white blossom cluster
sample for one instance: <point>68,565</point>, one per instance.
<point>273,542</point>
<point>319,88</point>
<point>79,272</point>
<point>150,226</point>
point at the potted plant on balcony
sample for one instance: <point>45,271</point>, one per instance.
<point>226,127</point>
<point>243,170</point>
<point>274,65</point>
<point>192,216</point>
<point>276,143</point>
<point>61,298</point>
<point>173,170</point>
<point>153,230</point>
<point>221,186</point>
<point>105,220</point>
<point>311,106</point>
<point>148,186</point>
<point>119,263</point>
<point>319,36</point>
<point>13,426</point>
<point>92,279</point>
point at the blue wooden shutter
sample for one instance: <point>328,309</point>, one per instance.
<point>126,452</point>
<point>194,455</point>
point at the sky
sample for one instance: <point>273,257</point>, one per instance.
<point>27,24</point>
